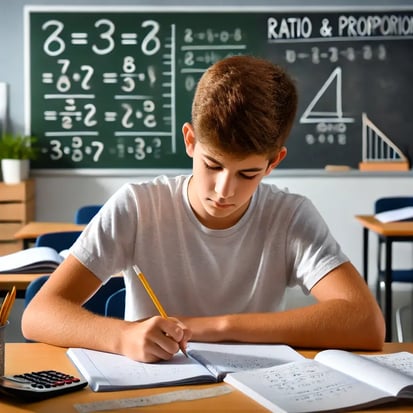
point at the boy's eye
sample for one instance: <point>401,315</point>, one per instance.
<point>219,167</point>
<point>247,176</point>
<point>213,167</point>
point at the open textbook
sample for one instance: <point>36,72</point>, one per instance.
<point>335,380</point>
<point>32,260</point>
<point>207,363</point>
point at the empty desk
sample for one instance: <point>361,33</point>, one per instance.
<point>400,231</point>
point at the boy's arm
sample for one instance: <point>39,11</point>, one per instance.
<point>346,316</point>
<point>56,316</point>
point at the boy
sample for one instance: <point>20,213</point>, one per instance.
<point>219,247</point>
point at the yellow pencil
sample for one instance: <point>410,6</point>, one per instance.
<point>153,297</point>
<point>7,305</point>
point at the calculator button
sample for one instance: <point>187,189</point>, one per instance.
<point>40,385</point>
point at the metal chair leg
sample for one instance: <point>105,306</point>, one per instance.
<point>399,323</point>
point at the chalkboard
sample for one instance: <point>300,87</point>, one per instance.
<point>109,88</point>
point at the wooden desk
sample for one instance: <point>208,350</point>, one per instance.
<point>390,232</point>
<point>32,230</point>
<point>20,281</point>
<point>22,357</point>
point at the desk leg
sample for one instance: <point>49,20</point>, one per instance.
<point>365,253</point>
<point>388,291</point>
<point>27,242</point>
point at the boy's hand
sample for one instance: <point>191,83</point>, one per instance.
<point>154,339</point>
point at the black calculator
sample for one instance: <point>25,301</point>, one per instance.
<point>39,385</point>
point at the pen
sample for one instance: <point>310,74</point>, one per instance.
<point>153,297</point>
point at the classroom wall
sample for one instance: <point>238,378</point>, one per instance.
<point>338,196</point>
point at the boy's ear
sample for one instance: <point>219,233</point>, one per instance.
<point>277,160</point>
<point>189,138</point>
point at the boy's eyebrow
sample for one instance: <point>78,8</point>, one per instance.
<point>243,170</point>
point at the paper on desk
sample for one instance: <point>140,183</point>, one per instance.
<point>398,214</point>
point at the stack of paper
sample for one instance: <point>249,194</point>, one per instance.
<point>399,214</point>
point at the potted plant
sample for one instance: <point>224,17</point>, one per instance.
<point>16,151</point>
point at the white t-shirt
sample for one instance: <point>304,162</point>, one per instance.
<point>280,241</point>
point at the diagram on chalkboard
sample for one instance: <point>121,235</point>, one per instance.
<point>335,113</point>
<point>378,151</point>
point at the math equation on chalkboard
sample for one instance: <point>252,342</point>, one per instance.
<point>110,88</point>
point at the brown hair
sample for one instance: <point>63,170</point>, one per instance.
<point>244,105</point>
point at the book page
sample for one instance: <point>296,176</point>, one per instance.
<point>306,386</point>
<point>401,361</point>
<point>372,369</point>
<point>107,371</point>
<point>221,358</point>
<point>29,260</point>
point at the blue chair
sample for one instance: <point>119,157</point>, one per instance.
<point>404,275</point>
<point>64,240</point>
<point>33,287</point>
<point>115,304</point>
<point>85,213</point>
<point>96,303</point>
<point>57,240</point>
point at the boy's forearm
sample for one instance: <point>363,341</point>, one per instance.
<point>70,325</point>
<point>322,325</point>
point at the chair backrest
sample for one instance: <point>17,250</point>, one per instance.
<point>85,213</point>
<point>96,303</point>
<point>115,304</point>
<point>389,203</point>
<point>33,287</point>
<point>57,240</point>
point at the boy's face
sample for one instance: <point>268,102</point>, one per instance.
<point>222,186</point>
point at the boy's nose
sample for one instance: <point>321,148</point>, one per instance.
<point>224,185</point>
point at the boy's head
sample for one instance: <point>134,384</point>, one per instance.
<point>244,105</point>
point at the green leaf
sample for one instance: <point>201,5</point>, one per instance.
<point>18,147</point>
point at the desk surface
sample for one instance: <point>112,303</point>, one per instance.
<point>20,281</point>
<point>35,228</point>
<point>21,357</point>
<point>399,228</point>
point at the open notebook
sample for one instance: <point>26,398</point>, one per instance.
<point>334,381</point>
<point>207,363</point>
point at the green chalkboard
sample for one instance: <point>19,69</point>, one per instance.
<point>110,87</point>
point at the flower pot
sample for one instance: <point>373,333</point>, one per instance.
<point>15,170</point>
